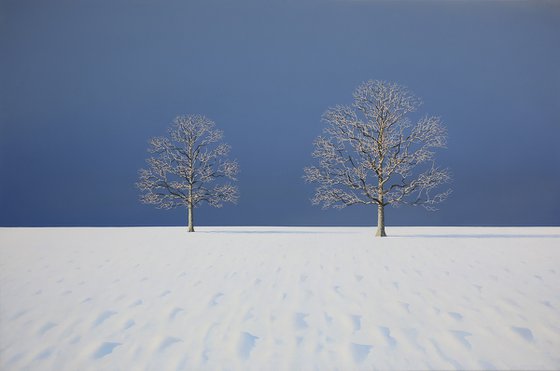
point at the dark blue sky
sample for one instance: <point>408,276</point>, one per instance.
<point>85,84</point>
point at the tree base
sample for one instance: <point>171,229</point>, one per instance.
<point>380,233</point>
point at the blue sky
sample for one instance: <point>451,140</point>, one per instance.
<point>85,84</point>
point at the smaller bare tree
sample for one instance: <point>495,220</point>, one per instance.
<point>185,165</point>
<point>371,153</point>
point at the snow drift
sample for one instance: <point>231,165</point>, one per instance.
<point>279,298</point>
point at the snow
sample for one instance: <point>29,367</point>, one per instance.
<point>279,298</point>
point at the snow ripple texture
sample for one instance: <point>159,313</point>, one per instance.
<point>279,298</point>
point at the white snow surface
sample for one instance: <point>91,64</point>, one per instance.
<point>279,298</point>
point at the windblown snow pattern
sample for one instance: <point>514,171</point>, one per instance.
<point>279,298</point>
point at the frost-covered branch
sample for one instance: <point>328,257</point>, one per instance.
<point>372,153</point>
<point>186,164</point>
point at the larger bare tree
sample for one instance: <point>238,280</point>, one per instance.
<point>372,154</point>
<point>185,165</point>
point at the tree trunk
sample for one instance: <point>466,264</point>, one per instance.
<point>191,225</point>
<point>190,206</point>
<point>380,221</point>
<point>380,206</point>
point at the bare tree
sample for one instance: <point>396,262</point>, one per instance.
<point>371,152</point>
<point>185,165</point>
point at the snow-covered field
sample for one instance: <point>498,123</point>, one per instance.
<point>279,298</point>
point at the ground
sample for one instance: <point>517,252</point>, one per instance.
<point>279,298</point>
